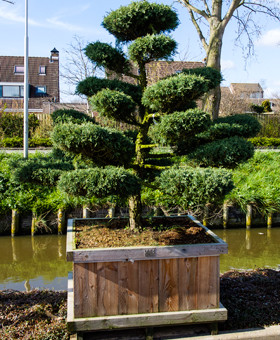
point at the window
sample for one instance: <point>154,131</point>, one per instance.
<point>42,70</point>
<point>19,69</point>
<point>40,90</point>
<point>11,91</point>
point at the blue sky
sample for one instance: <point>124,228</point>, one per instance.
<point>55,23</point>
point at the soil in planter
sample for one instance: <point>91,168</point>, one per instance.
<point>159,232</point>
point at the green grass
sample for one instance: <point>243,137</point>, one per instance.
<point>257,182</point>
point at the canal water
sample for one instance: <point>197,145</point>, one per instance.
<point>40,262</point>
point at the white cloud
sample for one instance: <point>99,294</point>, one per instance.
<point>270,38</point>
<point>227,64</point>
<point>55,21</point>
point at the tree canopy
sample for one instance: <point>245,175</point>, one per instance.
<point>210,19</point>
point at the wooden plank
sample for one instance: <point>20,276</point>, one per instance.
<point>70,298</point>
<point>168,285</point>
<point>148,286</point>
<point>208,282</point>
<point>128,274</point>
<point>107,288</point>
<point>149,320</point>
<point>187,284</point>
<point>146,253</point>
<point>70,240</point>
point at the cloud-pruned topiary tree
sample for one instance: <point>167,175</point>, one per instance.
<point>123,165</point>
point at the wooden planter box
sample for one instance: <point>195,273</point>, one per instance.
<point>113,288</point>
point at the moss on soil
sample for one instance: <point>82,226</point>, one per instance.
<point>160,233</point>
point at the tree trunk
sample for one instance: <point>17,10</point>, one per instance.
<point>135,212</point>
<point>213,99</point>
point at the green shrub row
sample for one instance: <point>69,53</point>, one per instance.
<point>266,142</point>
<point>17,142</point>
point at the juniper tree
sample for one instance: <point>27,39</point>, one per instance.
<point>122,165</point>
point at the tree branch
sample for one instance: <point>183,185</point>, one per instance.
<point>200,34</point>
<point>189,6</point>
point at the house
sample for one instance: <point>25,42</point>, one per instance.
<point>247,90</point>
<point>43,78</point>
<point>157,70</point>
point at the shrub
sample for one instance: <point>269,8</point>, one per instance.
<point>266,106</point>
<point>100,182</point>
<point>181,126</point>
<point>115,105</point>
<point>151,47</point>
<point>267,142</point>
<point>174,93</point>
<point>257,108</point>
<point>70,115</point>
<point>91,85</point>
<point>43,170</point>
<point>103,145</point>
<point>11,124</point>
<point>248,125</point>
<point>17,142</point>
<point>191,187</point>
<point>225,152</point>
<point>133,21</point>
<point>105,55</point>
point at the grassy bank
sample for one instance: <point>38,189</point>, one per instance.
<point>252,299</point>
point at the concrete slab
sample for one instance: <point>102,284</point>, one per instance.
<point>269,333</point>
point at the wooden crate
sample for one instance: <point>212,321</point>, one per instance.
<point>144,286</point>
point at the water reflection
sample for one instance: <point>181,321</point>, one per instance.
<point>249,249</point>
<point>40,262</point>
<point>33,262</point>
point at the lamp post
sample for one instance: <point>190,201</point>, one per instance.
<point>26,86</point>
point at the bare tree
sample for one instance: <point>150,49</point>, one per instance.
<point>76,66</point>
<point>211,17</point>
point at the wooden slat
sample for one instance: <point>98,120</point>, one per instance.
<point>128,287</point>
<point>148,286</point>
<point>187,284</point>
<point>70,240</point>
<point>107,283</point>
<point>148,320</point>
<point>85,288</point>
<point>146,253</point>
<point>208,283</point>
<point>168,285</point>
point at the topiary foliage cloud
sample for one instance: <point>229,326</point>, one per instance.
<point>139,19</point>
<point>167,107</point>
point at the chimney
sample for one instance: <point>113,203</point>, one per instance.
<point>54,55</point>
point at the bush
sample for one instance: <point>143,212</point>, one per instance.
<point>11,124</point>
<point>191,187</point>
<point>257,108</point>
<point>174,93</point>
<point>225,152</point>
<point>17,142</point>
<point>106,55</point>
<point>212,76</point>
<point>115,105</point>
<point>266,142</point>
<point>181,126</point>
<point>130,22</point>
<point>102,145</point>
<point>152,47</point>
<point>91,85</point>
<point>43,170</point>
<point>100,182</point>
<point>70,115</point>
<point>266,106</point>
<point>248,125</point>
